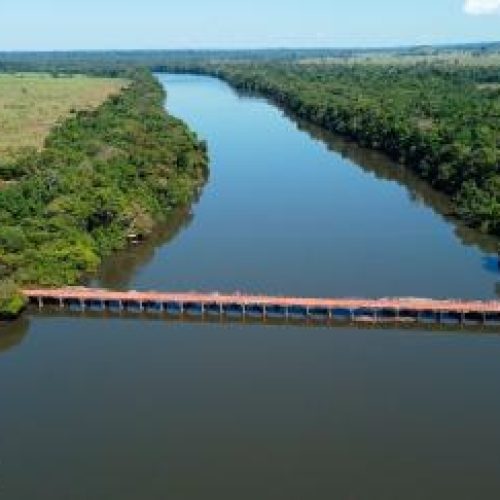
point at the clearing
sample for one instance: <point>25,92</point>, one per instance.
<point>32,103</point>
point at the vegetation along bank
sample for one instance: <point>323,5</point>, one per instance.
<point>103,176</point>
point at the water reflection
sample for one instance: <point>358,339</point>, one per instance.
<point>451,327</point>
<point>13,333</point>
<point>491,263</point>
<point>418,190</point>
<point>117,271</point>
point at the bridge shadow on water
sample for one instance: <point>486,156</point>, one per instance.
<point>12,334</point>
<point>448,325</point>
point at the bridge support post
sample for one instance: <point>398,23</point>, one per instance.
<point>40,303</point>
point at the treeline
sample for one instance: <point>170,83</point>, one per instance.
<point>103,177</point>
<point>440,120</point>
<point>115,62</point>
<point>110,62</point>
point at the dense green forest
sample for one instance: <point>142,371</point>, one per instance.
<point>103,176</point>
<point>442,120</point>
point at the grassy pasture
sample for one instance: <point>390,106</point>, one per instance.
<point>32,103</point>
<point>456,59</point>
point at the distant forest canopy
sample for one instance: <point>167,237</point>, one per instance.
<point>104,176</point>
<point>113,61</point>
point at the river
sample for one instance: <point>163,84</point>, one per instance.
<point>129,407</point>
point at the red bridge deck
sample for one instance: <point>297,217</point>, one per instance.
<point>395,306</point>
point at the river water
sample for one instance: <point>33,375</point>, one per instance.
<point>130,407</point>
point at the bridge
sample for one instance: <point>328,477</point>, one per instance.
<point>261,306</point>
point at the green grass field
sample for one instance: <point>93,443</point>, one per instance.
<point>32,103</point>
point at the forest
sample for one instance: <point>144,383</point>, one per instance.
<point>442,120</point>
<point>104,176</point>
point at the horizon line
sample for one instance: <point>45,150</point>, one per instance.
<point>259,49</point>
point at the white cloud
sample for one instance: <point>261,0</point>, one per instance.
<point>478,7</point>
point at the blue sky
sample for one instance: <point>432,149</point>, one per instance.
<point>156,24</point>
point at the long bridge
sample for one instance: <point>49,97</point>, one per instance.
<point>261,306</point>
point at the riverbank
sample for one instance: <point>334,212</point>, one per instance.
<point>105,177</point>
